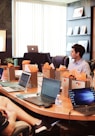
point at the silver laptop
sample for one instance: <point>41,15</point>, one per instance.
<point>32,48</point>
<point>50,89</point>
<point>18,86</point>
<point>83,100</point>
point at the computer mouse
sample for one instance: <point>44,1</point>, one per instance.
<point>47,105</point>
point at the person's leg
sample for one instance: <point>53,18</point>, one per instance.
<point>39,125</point>
<point>20,113</point>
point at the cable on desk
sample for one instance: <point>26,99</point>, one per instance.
<point>69,119</point>
<point>70,114</point>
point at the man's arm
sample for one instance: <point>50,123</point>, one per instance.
<point>86,69</point>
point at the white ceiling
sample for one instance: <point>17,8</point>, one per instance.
<point>61,1</point>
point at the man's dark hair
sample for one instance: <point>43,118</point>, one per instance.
<point>79,48</point>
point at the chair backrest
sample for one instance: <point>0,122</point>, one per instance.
<point>92,64</point>
<point>22,128</point>
<point>66,61</point>
<point>58,60</point>
<point>38,58</point>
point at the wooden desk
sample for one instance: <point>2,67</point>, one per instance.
<point>5,66</point>
<point>61,112</point>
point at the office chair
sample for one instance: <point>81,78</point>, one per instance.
<point>92,64</point>
<point>22,129</point>
<point>60,60</point>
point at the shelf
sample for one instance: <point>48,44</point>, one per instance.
<point>79,35</point>
<point>78,18</point>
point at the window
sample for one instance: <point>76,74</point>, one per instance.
<point>38,24</point>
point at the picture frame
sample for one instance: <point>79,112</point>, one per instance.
<point>76,30</point>
<point>69,45</point>
<point>85,44</point>
<point>83,29</point>
<point>78,12</point>
<point>70,31</point>
<point>2,40</point>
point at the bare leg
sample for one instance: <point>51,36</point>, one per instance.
<point>20,113</point>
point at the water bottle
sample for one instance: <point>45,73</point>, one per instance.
<point>57,100</point>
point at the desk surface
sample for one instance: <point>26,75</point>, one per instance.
<point>64,111</point>
<point>5,66</point>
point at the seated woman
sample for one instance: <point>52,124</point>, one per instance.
<point>10,112</point>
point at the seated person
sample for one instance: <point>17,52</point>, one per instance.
<point>9,113</point>
<point>79,63</point>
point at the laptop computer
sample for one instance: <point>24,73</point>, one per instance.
<point>32,48</point>
<point>18,86</point>
<point>83,100</point>
<point>49,90</point>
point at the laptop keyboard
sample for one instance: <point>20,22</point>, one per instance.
<point>87,110</point>
<point>39,100</point>
<point>46,99</point>
<point>12,89</point>
<point>43,99</point>
<point>92,108</point>
<point>17,88</point>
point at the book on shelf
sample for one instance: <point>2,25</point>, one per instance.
<point>70,31</point>
<point>78,12</point>
<point>84,43</point>
<point>76,30</point>
<point>83,29</point>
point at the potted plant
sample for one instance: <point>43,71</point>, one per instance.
<point>8,60</point>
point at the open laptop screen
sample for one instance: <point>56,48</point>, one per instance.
<point>50,87</point>
<point>24,79</point>
<point>83,96</point>
<point>32,48</point>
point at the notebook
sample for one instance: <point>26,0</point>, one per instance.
<point>19,86</point>
<point>83,100</point>
<point>49,90</point>
<point>32,48</point>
